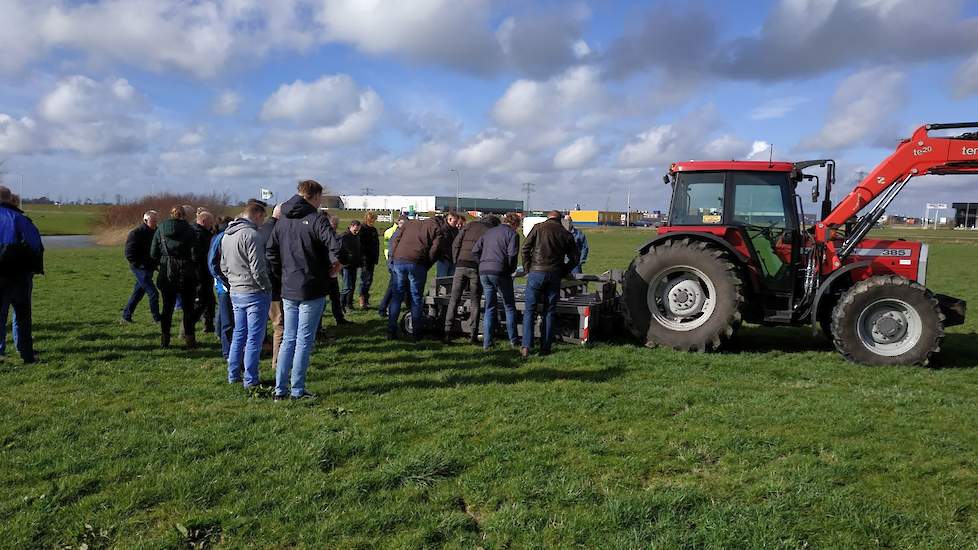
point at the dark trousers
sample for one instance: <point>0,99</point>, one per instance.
<point>335,301</point>
<point>206,303</point>
<point>225,321</point>
<point>144,287</point>
<point>466,279</point>
<point>542,287</point>
<point>366,281</point>
<point>349,286</point>
<point>17,294</point>
<point>186,292</point>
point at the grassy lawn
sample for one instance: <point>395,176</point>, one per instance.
<point>63,220</point>
<point>112,442</point>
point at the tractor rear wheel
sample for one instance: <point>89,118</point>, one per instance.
<point>684,294</point>
<point>887,320</point>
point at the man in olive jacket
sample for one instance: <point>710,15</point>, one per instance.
<point>549,254</point>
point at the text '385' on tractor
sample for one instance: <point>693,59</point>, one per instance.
<point>736,249</point>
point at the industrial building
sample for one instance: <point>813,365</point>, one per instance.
<point>965,214</point>
<point>428,203</point>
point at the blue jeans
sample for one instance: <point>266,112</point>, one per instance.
<point>17,294</point>
<point>349,285</point>
<point>578,269</point>
<point>408,278</point>
<point>542,287</point>
<point>225,322</point>
<point>250,318</point>
<point>301,320</point>
<point>144,287</point>
<point>492,287</point>
<point>444,268</point>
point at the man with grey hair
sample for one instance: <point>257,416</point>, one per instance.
<point>142,266</point>
<point>21,257</point>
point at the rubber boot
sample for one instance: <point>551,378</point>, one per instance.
<point>165,341</point>
<point>190,340</point>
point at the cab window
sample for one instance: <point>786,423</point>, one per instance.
<point>698,199</point>
<point>759,200</point>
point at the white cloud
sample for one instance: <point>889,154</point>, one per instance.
<point>227,103</point>
<point>576,97</point>
<point>758,149</point>
<point>331,111</point>
<point>486,150</point>
<point>861,109</point>
<point>685,139</point>
<point>324,102</point>
<point>966,78</point>
<point>776,108</point>
<point>577,154</point>
<point>17,135</point>
<point>448,32</point>
<point>81,115</point>
<point>192,138</point>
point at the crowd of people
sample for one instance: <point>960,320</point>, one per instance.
<point>237,275</point>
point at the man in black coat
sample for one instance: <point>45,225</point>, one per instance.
<point>549,254</point>
<point>304,252</point>
<point>206,303</point>
<point>370,250</point>
<point>353,258</point>
<point>466,278</point>
<point>142,266</point>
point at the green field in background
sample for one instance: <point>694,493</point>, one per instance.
<point>64,220</point>
<point>777,442</point>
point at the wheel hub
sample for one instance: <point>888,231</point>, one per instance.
<point>684,297</point>
<point>889,327</point>
<point>681,298</point>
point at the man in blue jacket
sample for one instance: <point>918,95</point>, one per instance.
<point>21,257</point>
<point>225,313</point>
<point>497,252</point>
<point>138,243</point>
<point>581,241</point>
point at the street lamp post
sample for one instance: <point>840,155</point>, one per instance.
<point>458,186</point>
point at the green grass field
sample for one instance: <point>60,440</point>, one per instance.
<point>111,442</point>
<point>63,220</point>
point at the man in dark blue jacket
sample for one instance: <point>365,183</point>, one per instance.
<point>21,257</point>
<point>304,252</point>
<point>225,313</point>
<point>138,244</point>
<point>497,252</point>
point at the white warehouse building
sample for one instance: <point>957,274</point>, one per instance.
<point>427,203</point>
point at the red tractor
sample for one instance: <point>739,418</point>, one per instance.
<point>737,249</point>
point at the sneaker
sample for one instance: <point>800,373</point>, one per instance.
<point>303,395</point>
<point>278,397</point>
<point>383,313</point>
<point>524,353</point>
<point>391,335</point>
<point>127,320</point>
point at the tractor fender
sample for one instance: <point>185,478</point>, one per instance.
<point>827,285</point>
<point>698,236</point>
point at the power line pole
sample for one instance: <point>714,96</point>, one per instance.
<point>368,191</point>
<point>527,187</point>
<point>458,186</point>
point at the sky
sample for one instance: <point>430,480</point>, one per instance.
<point>590,101</point>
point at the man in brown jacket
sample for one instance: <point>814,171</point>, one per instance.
<point>415,250</point>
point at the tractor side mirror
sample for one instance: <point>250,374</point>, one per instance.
<point>815,193</point>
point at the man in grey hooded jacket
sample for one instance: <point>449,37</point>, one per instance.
<point>243,263</point>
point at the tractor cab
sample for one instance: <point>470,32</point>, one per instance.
<point>752,209</point>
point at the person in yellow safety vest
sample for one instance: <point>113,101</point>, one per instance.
<point>387,238</point>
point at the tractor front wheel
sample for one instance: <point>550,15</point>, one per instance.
<point>684,294</point>
<point>887,320</point>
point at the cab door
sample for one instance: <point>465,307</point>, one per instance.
<point>763,208</point>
